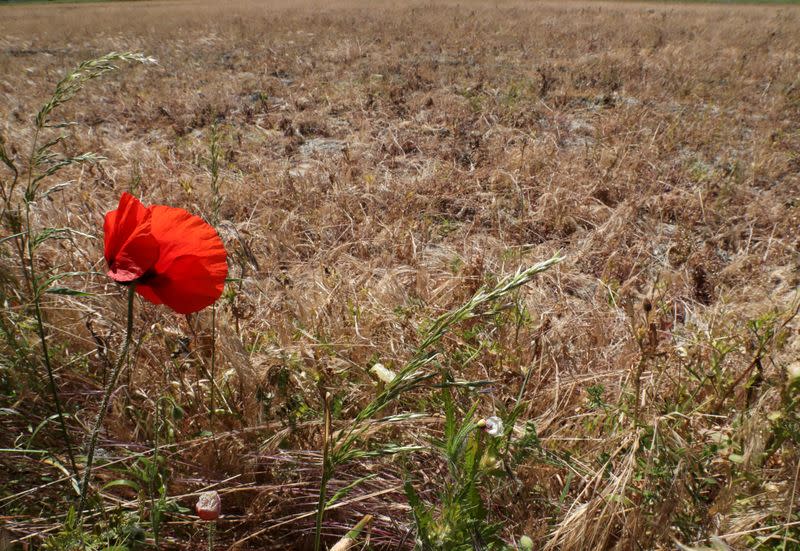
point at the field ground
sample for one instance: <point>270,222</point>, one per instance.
<point>379,163</point>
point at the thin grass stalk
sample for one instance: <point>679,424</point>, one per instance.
<point>214,153</point>
<point>213,377</point>
<point>27,235</point>
<point>52,383</point>
<point>7,194</point>
<point>33,285</point>
<point>327,473</point>
<point>211,405</point>
<point>156,525</point>
<point>112,383</point>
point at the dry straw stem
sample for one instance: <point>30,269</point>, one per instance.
<point>349,540</point>
<point>381,163</point>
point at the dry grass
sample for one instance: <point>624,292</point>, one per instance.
<point>381,163</point>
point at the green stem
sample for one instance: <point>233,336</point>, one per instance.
<point>211,529</point>
<point>213,365</point>
<point>33,283</point>
<point>112,383</point>
<point>29,196</point>
<point>54,387</point>
<point>155,517</point>
<point>323,490</point>
<point>327,473</point>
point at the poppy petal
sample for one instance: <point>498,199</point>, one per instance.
<point>146,291</point>
<point>130,247</point>
<point>192,265</point>
<point>182,234</point>
<point>186,287</point>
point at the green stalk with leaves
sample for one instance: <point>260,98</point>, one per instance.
<point>343,445</point>
<point>17,213</point>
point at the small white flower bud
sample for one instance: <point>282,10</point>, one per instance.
<point>382,373</point>
<point>793,371</point>
<point>493,426</point>
<point>209,506</point>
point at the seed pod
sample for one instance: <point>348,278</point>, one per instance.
<point>209,506</point>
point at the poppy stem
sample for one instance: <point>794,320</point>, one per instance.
<point>211,529</point>
<point>213,365</point>
<point>101,413</point>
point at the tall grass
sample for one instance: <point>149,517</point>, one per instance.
<point>374,191</point>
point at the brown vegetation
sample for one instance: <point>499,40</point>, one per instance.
<point>382,161</point>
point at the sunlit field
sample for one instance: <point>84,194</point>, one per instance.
<point>508,275</point>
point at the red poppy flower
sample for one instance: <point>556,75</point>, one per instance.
<point>172,257</point>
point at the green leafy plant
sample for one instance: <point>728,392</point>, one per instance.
<point>344,446</point>
<point>458,519</point>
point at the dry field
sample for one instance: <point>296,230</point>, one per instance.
<point>379,162</point>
